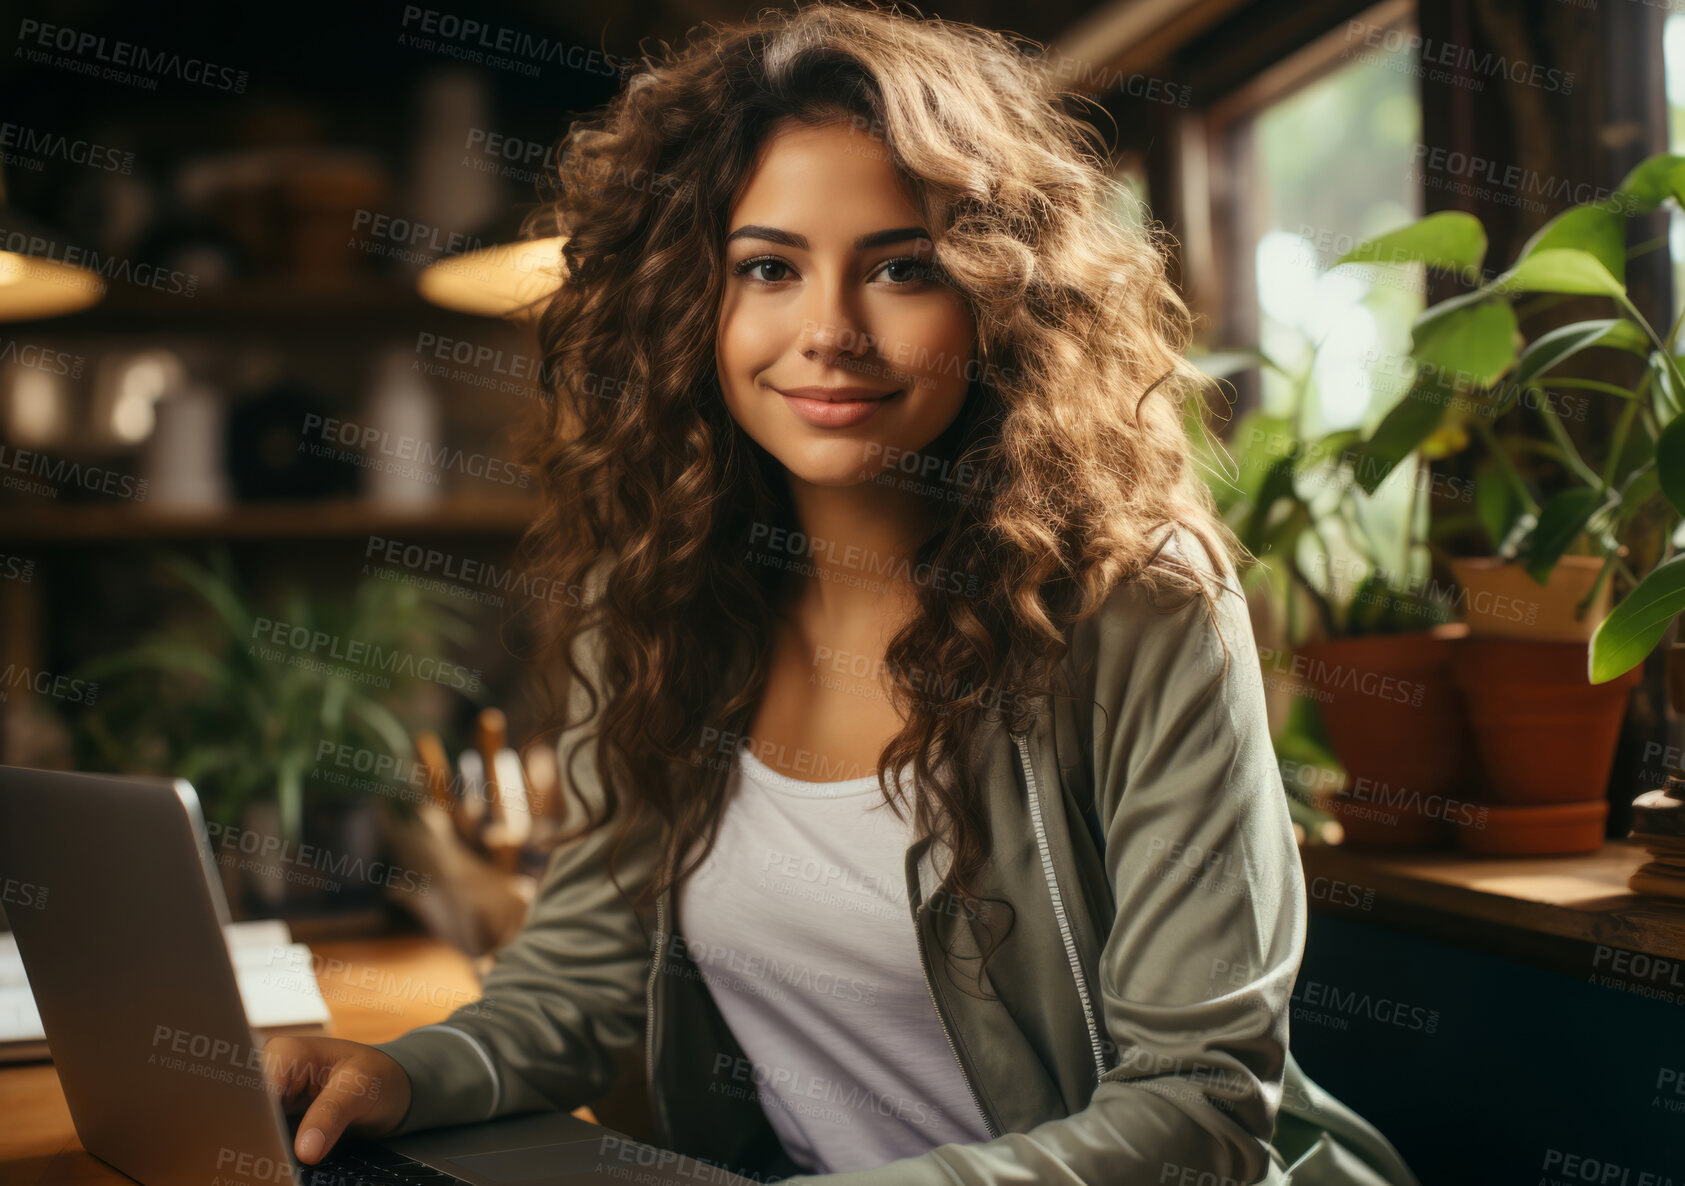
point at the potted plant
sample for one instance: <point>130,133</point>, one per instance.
<point>1373,651</point>
<point>1548,666</point>
<point>244,703</point>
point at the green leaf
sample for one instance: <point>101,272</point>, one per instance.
<point>1403,428</point>
<point>1277,485</point>
<point>1449,239</point>
<point>1495,503</point>
<point>1560,521</point>
<point>1670,463</point>
<point>1380,608</point>
<point>1596,230</point>
<point>1326,452</point>
<point>334,694</point>
<point>160,654</point>
<point>1562,270</point>
<point>1449,439</point>
<point>1636,625</point>
<point>218,592</point>
<point>1428,319</point>
<point>384,724</point>
<point>1472,348</point>
<point>1651,183</point>
<point>1281,537</point>
<point>1559,345</point>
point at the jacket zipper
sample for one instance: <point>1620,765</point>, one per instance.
<point>942,1020</point>
<point>649,1021</point>
<point>1065,933</point>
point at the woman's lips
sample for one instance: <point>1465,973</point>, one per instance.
<point>835,413</point>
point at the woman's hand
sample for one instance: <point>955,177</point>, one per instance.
<point>346,1085</point>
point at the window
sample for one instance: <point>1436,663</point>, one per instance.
<point>1301,163</point>
<point>1308,160</point>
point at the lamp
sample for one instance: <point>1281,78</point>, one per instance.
<point>509,279</point>
<point>34,280</point>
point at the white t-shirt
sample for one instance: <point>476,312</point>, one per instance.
<point>800,925</point>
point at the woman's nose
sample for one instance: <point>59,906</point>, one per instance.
<point>832,329</point>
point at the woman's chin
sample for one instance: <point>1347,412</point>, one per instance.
<point>836,466</point>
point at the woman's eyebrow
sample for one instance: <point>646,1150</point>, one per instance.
<point>773,234</point>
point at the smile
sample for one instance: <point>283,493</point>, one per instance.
<point>837,407</point>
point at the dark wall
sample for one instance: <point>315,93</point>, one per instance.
<point>1523,1065</point>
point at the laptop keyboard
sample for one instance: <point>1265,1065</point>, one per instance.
<point>372,1165</point>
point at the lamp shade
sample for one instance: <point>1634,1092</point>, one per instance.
<point>37,278</point>
<point>509,279</point>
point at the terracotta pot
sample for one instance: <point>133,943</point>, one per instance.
<point>1392,710</point>
<point>1546,733</point>
<point>1501,601</point>
<point>1381,823</point>
<point>1535,831</point>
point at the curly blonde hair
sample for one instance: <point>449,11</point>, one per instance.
<point>1066,469</point>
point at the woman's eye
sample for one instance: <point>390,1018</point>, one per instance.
<point>758,268</point>
<point>906,270</point>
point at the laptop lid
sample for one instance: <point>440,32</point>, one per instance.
<point>123,946</point>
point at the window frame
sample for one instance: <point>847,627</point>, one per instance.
<point>1217,171</point>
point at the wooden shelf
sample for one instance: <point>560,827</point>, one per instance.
<point>306,520</point>
<point>1581,898</point>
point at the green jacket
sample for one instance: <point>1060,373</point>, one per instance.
<point>1135,1022</point>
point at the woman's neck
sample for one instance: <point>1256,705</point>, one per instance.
<point>859,559</point>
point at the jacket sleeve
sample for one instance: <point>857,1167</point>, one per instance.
<point>563,1004</point>
<point>1197,972</point>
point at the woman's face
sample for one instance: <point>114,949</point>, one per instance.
<point>837,352</point>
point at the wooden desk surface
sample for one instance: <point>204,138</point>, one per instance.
<point>375,990</point>
<point>1578,899</point>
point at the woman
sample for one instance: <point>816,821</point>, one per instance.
<point>867,454</point>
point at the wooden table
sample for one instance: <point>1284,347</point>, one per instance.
<point>38,1144</point>
<point>1545,910</point>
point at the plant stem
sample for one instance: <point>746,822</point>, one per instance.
<point>1619,444</point>
<point>1603,572</point>
<point>1596,385</point>
<point>1505,465</point>
<point>1644,248</point>
<point>1419,510</point>
<point>1570,455</point>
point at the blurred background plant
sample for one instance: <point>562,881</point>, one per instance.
<point>214,700</point>
<point>1341,561</point>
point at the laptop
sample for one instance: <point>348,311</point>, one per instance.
<point>159,1065</point>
